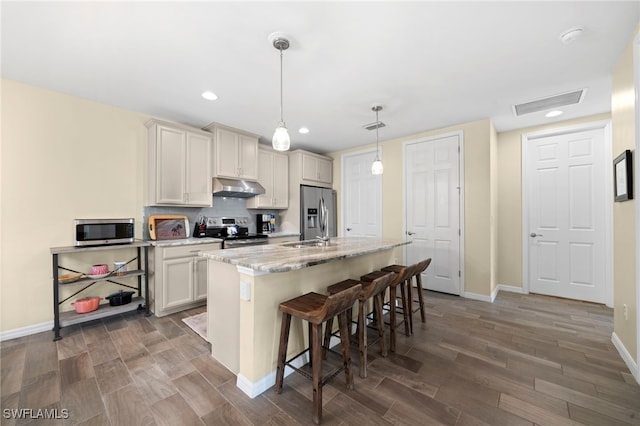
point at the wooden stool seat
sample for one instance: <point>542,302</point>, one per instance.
<point>375,290</point>
<point>416,271</point>
<point>342,285</point>
<point>372,276</point>
<point>307,307</point>
<point>316,309</point>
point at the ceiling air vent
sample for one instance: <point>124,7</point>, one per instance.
<point>551,102</point>
<point>374,125</point>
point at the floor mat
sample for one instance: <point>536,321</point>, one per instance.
<point>198,323</point>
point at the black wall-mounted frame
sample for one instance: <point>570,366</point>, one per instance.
<point>623,177</point>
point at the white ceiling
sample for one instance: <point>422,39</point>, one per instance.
<point>429,64</point>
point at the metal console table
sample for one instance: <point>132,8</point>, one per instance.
<point>62,319</point>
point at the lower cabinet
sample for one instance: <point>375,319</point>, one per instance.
<point>179,277</point>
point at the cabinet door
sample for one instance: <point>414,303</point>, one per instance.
<point>309,167</point>
<point>198,170</point>
<point>170,165</point>
<point>325,170</point>
<point>248,160</point>
<point>177,286</point>
<point>265,177</point>
<point>280,181</point>
<point>200,279</point>
<point>227,153</point>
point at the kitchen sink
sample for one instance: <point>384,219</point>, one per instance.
<point>307,243</point>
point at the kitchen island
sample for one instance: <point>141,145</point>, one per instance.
<point>246,285</point>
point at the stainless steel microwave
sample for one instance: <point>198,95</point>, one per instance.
<point>97,232</point>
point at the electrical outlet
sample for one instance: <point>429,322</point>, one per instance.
<point>245,291</point>
<point>625,311</point>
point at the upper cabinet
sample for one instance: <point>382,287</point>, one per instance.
<point>179,165</point>
<point>235,153</point>
<point>273,174</point>
<point>314,169</point>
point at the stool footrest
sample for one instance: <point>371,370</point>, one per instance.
<point>323,380</point>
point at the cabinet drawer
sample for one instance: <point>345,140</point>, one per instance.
<point>190,250</point>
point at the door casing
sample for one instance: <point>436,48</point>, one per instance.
<point>606,126</point>
<point>636,73</point>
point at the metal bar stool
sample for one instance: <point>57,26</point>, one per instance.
<point>397,281</point>
<point>316,309</point>
<point>417,270</point>
<point>375,290</point>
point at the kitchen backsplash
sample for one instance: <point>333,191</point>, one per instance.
<point>222,207</point>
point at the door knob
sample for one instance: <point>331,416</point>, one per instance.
<point>348,229</point>
<point>410,233</point>
<point>533,235</point>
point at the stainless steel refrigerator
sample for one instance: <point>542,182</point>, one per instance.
<point>311,198</point>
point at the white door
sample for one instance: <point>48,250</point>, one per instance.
<point>362,197</point>
<point>432,206</point>
<point>566,215</point>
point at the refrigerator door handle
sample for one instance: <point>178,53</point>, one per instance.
<point>322,216</point>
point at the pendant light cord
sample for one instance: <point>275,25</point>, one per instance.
<point>377,143</point>
<point>281,109</point>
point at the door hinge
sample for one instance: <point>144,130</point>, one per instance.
<point>459,233</point>
<point>459,273</point>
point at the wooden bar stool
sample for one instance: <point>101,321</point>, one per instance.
<point>417,270</point>
<point>397,281</point>
<point>375,290</point>
<point>316,309</point>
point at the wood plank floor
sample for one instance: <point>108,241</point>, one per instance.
<point>523,360</point>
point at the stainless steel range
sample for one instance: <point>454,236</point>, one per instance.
<point>232,230</point>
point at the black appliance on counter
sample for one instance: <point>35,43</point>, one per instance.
<point>232,230</point>
<point>97,232</point>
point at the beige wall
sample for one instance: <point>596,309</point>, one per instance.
<point>62,158</point>
<point>478,196</point>
<point>624,256</point>
<point>510,198</point>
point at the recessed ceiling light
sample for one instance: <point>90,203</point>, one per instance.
<point>210,96</point>
<point>570,35</point>
<point>303,130</point>
<point>554,113</point>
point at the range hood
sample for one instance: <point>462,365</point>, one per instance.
<point>236,188</point>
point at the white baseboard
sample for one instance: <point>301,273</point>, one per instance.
<point>476,296</point>
<point>510,288</point>
<point>626,356</point>
<point>26,331</point>
<point>253,389</point>
<point>494,293</point>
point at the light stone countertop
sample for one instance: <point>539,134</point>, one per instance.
<point>185,242</point>
<point>280,258</point>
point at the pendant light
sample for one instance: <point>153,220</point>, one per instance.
<point>281,140</point>
<point>376,167</point>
